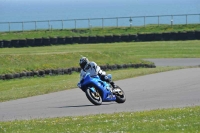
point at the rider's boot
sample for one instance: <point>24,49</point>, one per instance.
<point>113,84</point>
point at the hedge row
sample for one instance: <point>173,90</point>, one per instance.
<point>190,35</point>
<point>41,73</point>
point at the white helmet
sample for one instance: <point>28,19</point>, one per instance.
<point>83,62</point>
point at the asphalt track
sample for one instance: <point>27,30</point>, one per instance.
<point>178,88</point>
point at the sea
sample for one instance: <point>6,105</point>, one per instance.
<point>20,15</point>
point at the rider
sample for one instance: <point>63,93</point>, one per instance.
<point>93,69</point>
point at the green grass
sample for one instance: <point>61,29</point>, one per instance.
<point>177,120</point>
<point>98,31</point>
<point>64,56</point>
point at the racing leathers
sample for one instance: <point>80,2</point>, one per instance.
<point>95,70</point>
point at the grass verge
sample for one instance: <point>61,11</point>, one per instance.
<point>161,120</point>
<point>99,31</point>
<point>14,60</point>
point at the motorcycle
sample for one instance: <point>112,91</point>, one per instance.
<point>98,91</point>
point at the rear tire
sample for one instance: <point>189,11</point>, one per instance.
<point>94,98</point>
<point>120,96</point>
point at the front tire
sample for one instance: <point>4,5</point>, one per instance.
<point>93,97</point>
<point>120,95</point>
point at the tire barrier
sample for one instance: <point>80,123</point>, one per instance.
<point>53,40</point>
<point>132,37</point>
<point>30,42</point>
<point>68,40</point>
<point>61,40</point>
<point>84,39</point>
<point>108,39</point>
<point>1,43</point>
<point>14,43</point>
<point>100,39</point>
<point>125,38</point>
<point>141,37</point>
<point>182,35</point>
<point>22,43</point>
<point>197,35</point>
<point>166,36</point>
<point>46,41</point>
<point>76,39</point>
<point>38,42</point>
<point>92,39</point>
<point>117,38</point>
<point>62,71</point>
<point>191,35</point>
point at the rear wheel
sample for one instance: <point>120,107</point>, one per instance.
<point>120,95</point>
<point>93,96</point>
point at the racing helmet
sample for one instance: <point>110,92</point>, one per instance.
<point>83,62</point>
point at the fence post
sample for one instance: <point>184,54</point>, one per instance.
<point>75,23</point>
<point>158,20</point>
<point>35,25</point>
<point>171,20</point>
<point>130,20</point>
<point>117,22</point>
<point>186,19</point>
<point>9,26</point>
<point>88,23</point>
<point>102,22</point>
<point>49,25</point>
<point>62,25</point>
<point>22,26</point>
<point>144,21</point>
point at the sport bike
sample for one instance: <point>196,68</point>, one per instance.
<point>98,91</point>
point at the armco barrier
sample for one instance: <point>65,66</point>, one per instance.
<point>62,71</point>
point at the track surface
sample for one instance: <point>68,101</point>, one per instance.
<point>177,88</point>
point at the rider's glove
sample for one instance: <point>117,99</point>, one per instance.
<point>79,85</point>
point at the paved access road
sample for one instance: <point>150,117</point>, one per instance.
<point>176,62</point>
<point>178,88</point>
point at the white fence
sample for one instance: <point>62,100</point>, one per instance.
<point>100,22</point>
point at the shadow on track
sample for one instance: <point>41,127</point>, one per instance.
<point>80,106</point>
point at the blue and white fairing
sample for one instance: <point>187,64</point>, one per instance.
<point>103,87</point>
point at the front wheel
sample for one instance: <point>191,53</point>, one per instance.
<point>120,95</point>
<point>93,96</point>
